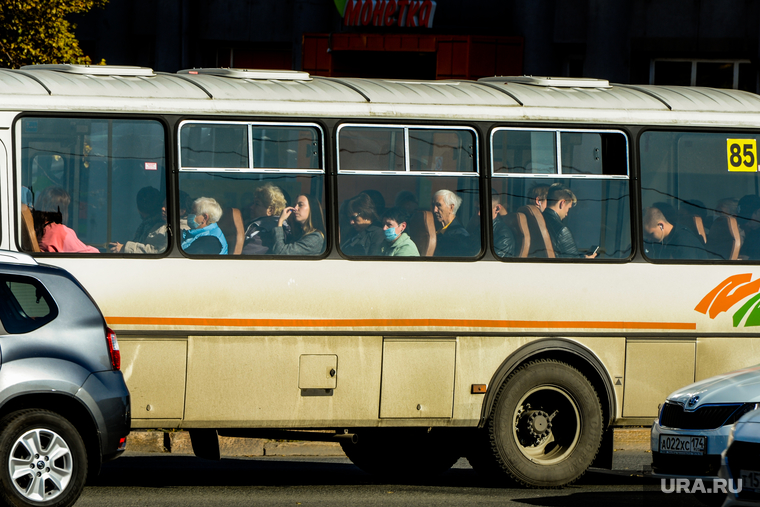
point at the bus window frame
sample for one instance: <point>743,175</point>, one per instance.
<point>251,168</point>
<point>476,173</point>
<point>558,145</point>
<point>633,193</point>
<point>323,172</point>
<point>407,159</point>
<point>718,130</point>
<point>16,167</point>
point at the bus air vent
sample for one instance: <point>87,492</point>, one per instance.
<point>552,82</point>
<point>259,74</point>
<point>94,70</point>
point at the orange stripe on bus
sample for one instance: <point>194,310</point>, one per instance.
<point>306,323</point>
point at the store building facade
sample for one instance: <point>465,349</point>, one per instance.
<point>680,42</point>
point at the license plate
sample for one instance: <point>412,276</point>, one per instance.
<point>750,480</point>
<point>683,444</point>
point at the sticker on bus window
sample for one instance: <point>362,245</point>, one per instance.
<point>151,166</point>
<point>742,155</point>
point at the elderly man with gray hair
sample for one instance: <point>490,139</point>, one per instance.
<point>204,237</point>
<point>452,239</point>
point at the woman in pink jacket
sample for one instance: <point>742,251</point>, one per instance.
<point>56,237</point>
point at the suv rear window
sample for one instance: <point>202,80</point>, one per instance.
<point>25,304</point>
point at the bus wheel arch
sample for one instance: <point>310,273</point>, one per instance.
<point>516,439</point>
<point>560,349</point>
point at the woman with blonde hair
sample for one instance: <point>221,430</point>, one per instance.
<point>268,204</point>
<point>308,226</point>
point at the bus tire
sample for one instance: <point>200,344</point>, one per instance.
<point>545,427</point>
<point>407,454</point>
<point>43,460</point>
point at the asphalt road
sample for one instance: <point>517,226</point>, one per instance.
<point>182,480</point>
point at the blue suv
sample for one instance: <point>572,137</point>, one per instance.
<point>64,406</point>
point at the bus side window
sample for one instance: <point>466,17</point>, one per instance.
<point>586,170</point>
<point>92,185</point>
<point>699,196</point>
<point>420,203</point>
<point>271,202</point>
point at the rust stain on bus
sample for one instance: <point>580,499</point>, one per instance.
<point>328,323</point>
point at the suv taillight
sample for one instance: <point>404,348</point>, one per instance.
<point>113,349</point>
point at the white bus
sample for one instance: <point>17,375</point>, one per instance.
<point>504,340</point>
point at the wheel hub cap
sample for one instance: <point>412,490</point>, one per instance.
<point>40,465</point>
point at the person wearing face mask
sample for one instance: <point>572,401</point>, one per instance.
<point>397,242</point>
<point>204,236</point>
<point>308,226</point>
<point>368,236</point>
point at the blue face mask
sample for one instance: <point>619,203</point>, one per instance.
<point>390,234</point>
<point>191,221</point>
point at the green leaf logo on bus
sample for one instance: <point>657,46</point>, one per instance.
<point>728,293</point>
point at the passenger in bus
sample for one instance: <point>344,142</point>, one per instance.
<point>407,200</point>
<point>377,199</point>
<point>749,221</point>
<point>204,237</point>
<point>157,241</point>
<point>503,238</point>
<point>54,236</point>
<point>268,204</point>
<point>670,241</point>
<point>367,236</point>
<point>537,196</point>
<point>452,239</point>
<point>147,238</point>
<point>724,239</point>
<point>308,226</point>
<point>397,242</point>
<point>559,201</point>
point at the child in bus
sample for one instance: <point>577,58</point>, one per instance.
<point>54,236</point>
<point>308,226</point>
<point>397,242</point>
<point>204,237</point>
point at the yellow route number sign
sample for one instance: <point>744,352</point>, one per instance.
<point>742,155</point>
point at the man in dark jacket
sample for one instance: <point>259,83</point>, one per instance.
<point>670,241</point>
<point>452,239</point>
<point>503,239</point>
<point>560,200</point>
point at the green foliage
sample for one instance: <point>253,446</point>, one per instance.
<point>36,31</point>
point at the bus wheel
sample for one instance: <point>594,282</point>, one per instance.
<point>43,460</point>
<point>406,454</point>
<point>545,426</point>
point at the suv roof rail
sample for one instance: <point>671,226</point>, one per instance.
<point>16,258</point>
<point>262,74</point>
<point>93,70</point>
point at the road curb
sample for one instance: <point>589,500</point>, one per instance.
<point>178,442</point>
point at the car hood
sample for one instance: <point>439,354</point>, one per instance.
<point>741,386</point>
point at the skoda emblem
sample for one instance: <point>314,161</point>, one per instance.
<point>693,401</point>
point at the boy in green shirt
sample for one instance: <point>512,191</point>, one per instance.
<point>397,243</point>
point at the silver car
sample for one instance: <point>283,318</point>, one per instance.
<point>64,406</point>
<point>741,462</point>
<point>694,423</point>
